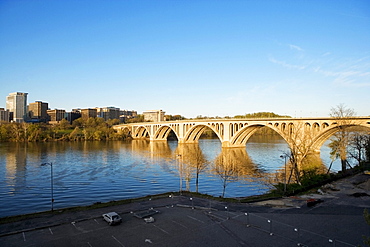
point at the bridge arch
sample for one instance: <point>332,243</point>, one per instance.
<point>141,132</point>
<point>194,133</point>
<point>241,138</point>
<point>126,130</point>
<point>325,135</point>
<point>163,132</point>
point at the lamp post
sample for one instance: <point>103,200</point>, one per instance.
<point>51,183</point>
<point>284,156</point>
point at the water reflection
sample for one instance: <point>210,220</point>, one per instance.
<point>191,161</point>
<point>86,172</point>
<point>16,163</point>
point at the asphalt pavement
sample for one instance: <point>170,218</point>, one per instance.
<point>191,221</point>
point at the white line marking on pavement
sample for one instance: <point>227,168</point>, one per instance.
<point>96,221</point>
<point>162,229</point>
<point>89,244</point>
<point>24,237</point>
<point>179,224</point>
<point>195,219</point>
<point>117,241</point>
<point>51,231</point>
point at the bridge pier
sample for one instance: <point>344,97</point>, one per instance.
<point>227,144</point>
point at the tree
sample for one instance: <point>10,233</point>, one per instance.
<point>62,125</point>
<point>300,144</point>
<point>357,146</point>
<point>340,140</point>
<point>367,148</point>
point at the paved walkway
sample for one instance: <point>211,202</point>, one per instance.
<point>185,221</point>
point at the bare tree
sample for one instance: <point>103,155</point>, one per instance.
<point>357,145</point>
<point>300,144</point>
<point>340,139</point>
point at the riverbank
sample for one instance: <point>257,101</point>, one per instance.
<point>345,189</point>
<point>357,185</point>
<point>185,220</point>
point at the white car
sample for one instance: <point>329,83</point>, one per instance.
<point>112,218</point>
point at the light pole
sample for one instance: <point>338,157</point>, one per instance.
<point>51,183</point>
<point>284,156</point>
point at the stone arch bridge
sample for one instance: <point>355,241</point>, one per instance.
<point>236,132</point>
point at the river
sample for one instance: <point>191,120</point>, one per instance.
<point>89,172</point>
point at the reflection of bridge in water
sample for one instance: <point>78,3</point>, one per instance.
<point>236,162</point>
<point>236,132</point>
<point>191,156</point>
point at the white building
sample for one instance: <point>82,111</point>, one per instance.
<point>154,116</point>
<point>16,103</point>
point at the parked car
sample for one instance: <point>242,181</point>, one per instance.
<point>112,218</point>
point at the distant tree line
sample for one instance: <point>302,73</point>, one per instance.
<point>91,129</point>
<point>262,115</point>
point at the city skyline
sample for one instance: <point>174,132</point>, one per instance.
<point>209,58</point>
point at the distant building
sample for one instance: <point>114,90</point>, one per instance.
<point>55,116</point>
<point>73,115</point>
<point>125,115</point>
<point>154,116</point>
<point>88,113</point>
<point>108,113</point>
<point>4,115</point>
<point>16,103</point>
<point>38,111</point>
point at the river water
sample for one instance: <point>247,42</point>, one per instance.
<point>89,172</point>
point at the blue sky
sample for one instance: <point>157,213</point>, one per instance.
<point>194,57</point>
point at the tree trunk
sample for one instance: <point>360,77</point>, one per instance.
<point>344,165</point>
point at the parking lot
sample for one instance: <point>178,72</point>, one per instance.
<point>200,222</point>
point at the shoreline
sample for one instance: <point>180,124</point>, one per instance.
<point>342,203</point>
<point>250,199</point>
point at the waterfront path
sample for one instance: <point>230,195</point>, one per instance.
<point>186,221</point>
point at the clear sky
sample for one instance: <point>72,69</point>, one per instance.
<point>190,57</point>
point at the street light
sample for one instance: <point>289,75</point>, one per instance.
<point>51,183</point>
<point>284,156</point>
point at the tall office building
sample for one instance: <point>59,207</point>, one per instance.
<point>16,103</point>
<point>38,111</point>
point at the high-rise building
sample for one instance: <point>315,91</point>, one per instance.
<point>38,111</point>
<point>16,103</point>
